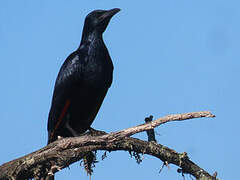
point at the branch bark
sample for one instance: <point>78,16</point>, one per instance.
<point>62,153</point>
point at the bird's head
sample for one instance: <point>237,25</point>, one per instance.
<point>98,20</point>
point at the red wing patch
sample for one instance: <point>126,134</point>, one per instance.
<point>65,108</point>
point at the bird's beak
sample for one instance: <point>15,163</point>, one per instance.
<point>109,14</point>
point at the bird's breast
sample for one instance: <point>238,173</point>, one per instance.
<point>98,72</point>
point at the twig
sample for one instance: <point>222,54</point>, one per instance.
<point>150,133</point>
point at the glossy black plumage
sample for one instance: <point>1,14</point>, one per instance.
<point>83,81</point>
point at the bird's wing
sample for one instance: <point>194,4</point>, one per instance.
<point>69,76</point>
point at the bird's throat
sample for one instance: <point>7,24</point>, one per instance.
<point>89,37</point>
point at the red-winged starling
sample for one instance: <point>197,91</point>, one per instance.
<point>83,80</point>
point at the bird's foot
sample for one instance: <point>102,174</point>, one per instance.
<point>95,132</point>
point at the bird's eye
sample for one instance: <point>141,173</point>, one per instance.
<point>97,15</point>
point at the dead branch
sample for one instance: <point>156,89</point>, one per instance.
<point>66,151</point>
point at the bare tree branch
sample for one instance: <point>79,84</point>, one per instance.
<point>66,151</point>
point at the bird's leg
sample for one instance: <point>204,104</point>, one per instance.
<point>74,133</point>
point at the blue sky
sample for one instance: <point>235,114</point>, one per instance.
<point>169,57</point>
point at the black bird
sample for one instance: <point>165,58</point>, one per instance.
<point>83,80</point>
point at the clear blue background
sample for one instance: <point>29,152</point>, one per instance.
<point>169,56</point>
